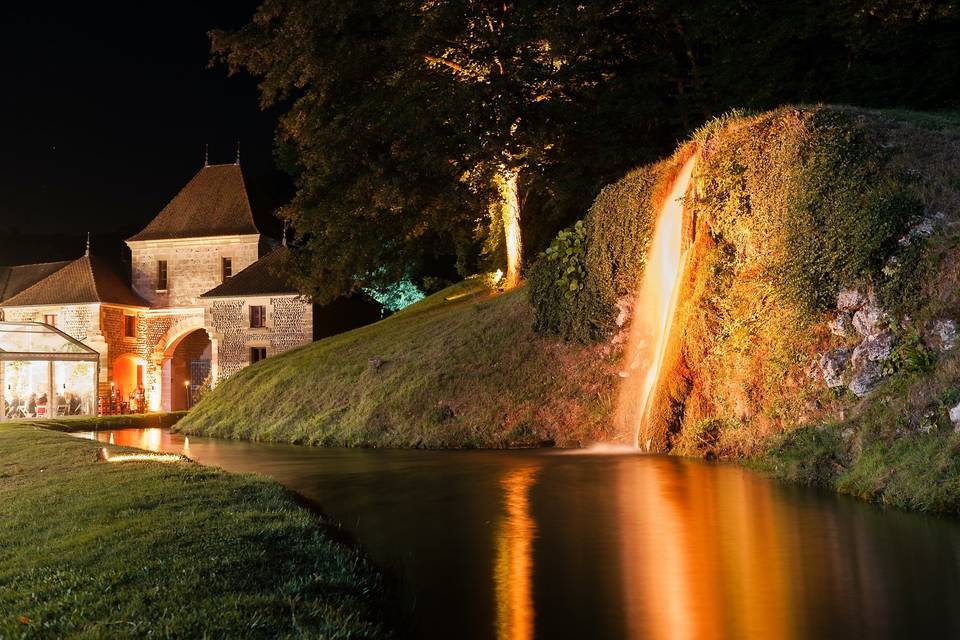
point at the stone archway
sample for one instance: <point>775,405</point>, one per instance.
<point>185,368</point>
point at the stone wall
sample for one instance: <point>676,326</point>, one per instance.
<point>289,324</point>
<point>194,266</point>
<point>78,321</point>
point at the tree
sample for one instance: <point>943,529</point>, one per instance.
<point>530,70</point>
<point>408,123</point>
<point>380,186</point>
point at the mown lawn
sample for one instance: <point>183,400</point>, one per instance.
<point>149,549</point>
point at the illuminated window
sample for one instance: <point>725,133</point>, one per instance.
<point>50,319</point>
<point>258,316</point>
<point>129,326</point>
<point>226,267</point>
<point>161,275</point>
<point>257,354</point>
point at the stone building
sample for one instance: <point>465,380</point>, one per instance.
<point>204,298</point>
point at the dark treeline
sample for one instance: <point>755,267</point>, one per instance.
<point>418,131</point>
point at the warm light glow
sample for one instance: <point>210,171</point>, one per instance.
<point>106,456</point>
<point>513,571</point>
<point>653,311</point>
<point>718,551</point>
<point>510,214</point>
<point>150,439</point>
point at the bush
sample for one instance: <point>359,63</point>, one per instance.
<point>806,199</point>
<point>616,235</point>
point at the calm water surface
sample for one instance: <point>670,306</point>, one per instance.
<point>518,545</point>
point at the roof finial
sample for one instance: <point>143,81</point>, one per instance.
<point>206,155</point>
<point>87,253</point>
<point>238,152</point>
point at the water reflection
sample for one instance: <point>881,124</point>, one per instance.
<point>153,439</point>
<point>513,569</point>
<point>519,545</point>
<point>701,559</point>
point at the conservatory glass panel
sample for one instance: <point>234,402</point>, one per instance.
<point>74,382</point>
<point>25,388</point>
<point>19,337</point>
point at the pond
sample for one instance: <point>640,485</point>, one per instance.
<point>549,544</point>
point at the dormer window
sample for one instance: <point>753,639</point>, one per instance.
<point>226,268</point>
<point>161,275</point>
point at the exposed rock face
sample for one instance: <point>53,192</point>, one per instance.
<point>867,319</point>
<point>860,370</point>
<point>874,348</point>
<point>841,325</point>
<point>850,300</point>
<point>832,365</point>
<point>946,334</point>
<point>923,229</point>
<point>955,417</point>
<point>865,378</point>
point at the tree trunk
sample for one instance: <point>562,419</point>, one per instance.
<point>510,214</point>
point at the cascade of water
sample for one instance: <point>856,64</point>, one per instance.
<point>653,310</point>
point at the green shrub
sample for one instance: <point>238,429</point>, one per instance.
<point>567,250</point>
<point>616,235</point>
<point>805,196</point>
<point>910,355</point>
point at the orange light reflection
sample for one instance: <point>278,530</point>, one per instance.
<point>513,568</point>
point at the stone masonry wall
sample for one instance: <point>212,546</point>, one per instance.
<point>289,324</point>
<point>78,321</point>
<point>193,266</point>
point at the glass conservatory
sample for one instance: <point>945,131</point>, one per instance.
<point>45,373</point>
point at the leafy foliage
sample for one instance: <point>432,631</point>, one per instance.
<point>617,234</point>
<point>395,114</point>
<point>910,355</point>
<point>568,250</point>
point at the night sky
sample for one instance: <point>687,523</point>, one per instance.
<point>105,111</point>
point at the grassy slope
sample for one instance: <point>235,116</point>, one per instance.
<point>460,368</point>
<point>142,549</point>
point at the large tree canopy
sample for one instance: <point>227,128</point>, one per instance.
<point>380,186</point>
<point>406,121</point>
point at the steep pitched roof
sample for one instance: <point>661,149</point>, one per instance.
<point>260,278</point>
<point>214,203</point>
<point>15,279</point>
<point>86,280</point>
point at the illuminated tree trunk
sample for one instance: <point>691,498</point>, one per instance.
<point>510,214</point>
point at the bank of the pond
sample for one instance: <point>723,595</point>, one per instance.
<point>140,549</point>
<point>71,424</point>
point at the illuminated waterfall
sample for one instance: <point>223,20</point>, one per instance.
<point>653,311</point>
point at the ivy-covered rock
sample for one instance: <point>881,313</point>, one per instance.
<point>824,235</point>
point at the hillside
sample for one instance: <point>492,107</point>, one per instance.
<point>815,331</point>
<point>462,368</point>
<point>816,327</point>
